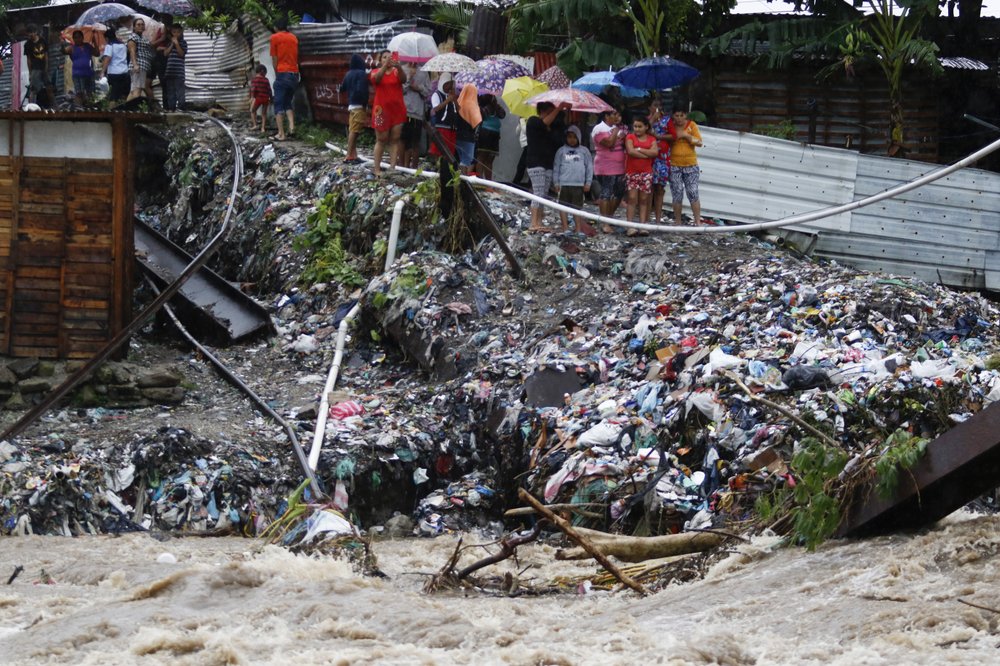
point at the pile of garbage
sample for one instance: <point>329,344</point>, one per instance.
<point>170,480</point>
<point>643,385</point>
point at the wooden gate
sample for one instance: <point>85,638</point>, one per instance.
<point>65,232</point>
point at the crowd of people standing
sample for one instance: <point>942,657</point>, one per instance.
<point>129,66</point>
<point>636,163</point>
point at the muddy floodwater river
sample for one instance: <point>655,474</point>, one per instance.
<point>133,599</point>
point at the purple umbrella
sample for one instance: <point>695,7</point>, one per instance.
<point>490,75</point>
<point>106,13</point>
<point>174,7</point>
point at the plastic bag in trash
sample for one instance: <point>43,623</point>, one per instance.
<point>801,377</point>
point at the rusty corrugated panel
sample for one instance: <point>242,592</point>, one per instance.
<point>325,51</point>
<point>347,38</point>
<point>964,63</point>
<point>543,60</point>
<point>322,76</point>
<point>958,467</point>
<point>216,69</point>
<point>487,33</point>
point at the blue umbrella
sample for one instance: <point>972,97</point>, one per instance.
<point>656,73</point>
<point>106,13</point>
<point>596,82</point>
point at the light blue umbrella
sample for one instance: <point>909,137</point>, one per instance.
<point>596,82</point>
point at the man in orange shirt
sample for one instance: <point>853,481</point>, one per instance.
<point>285,57</point>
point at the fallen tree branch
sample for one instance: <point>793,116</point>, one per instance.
<point>508,546</point>
<point>640,549</point>
<point>778,408</point>
<point>580,509</point>
<point>985,608</point>
<point>575,536</point>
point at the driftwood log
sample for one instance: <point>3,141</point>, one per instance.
<point>574,536</point>
<point>640,549</point>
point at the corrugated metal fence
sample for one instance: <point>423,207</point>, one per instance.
<point>945,232</point>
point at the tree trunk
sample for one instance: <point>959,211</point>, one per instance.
<point>640,549</point>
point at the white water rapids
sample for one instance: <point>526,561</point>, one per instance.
<point>120,600</point>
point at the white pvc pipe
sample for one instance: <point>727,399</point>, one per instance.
<point>397,216</point>
<point>800,218</point>
<point>331,381</point>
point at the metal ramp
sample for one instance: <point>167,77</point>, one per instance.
<point>212,306</point>
<point>958,466</point>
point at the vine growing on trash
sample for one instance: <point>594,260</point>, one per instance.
<point>328,260</point>
<point>902,452</point>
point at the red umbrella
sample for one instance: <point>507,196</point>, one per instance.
<point>579,100</point>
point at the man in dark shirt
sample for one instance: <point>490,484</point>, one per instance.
<point>37,51</point>
<point>543,143</point>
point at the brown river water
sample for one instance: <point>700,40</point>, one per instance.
<point>132,599</point>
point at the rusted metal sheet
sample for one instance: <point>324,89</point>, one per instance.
<point>487,33</point>
<point>214,304</point>
<point>543,60</point>
<point>325,51</point>
<point>958,467</point>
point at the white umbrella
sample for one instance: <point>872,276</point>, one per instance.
<point>450,62</point>
<point>413,46</point>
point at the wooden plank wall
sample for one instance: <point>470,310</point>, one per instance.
<point>849,113</point>
<point>56,256</point>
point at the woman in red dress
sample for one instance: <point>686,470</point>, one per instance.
<point>389,112</point>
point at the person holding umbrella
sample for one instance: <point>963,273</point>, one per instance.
<point>81,55</point>
<point>544,138</point>
<point>389,112</point>
<point>683,136</point>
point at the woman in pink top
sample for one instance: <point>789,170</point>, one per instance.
<point>608,139</point>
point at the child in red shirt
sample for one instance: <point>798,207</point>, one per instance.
<point>640,149</point>
<point>260,98</point>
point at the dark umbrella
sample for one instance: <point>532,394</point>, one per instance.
<point>173,7</point>
<point>106,13</point>
<point>656,73</point>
